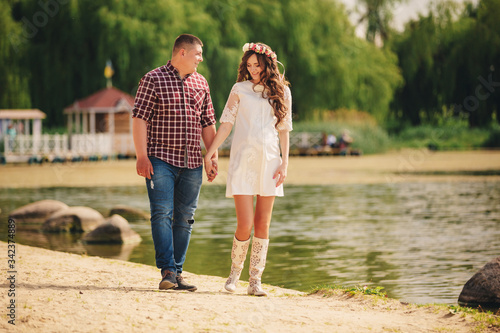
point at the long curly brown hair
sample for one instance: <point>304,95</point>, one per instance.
<point>274,83</point>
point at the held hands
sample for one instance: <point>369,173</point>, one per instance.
<point>144,167</point>
<point>280,174</point>
<point>211,167</point>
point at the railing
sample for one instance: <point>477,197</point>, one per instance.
<point>298,140</point>
<point>36,145</point>
<point>123,144</point>
<point>301,140</point>
<point>58,145</point>
<point>91,144</point>
<point>85,145</point>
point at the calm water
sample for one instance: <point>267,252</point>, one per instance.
<point>421,241</point>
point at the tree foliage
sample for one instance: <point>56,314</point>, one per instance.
<point>53,52</point>
<point>65,45</point>
<point>14,76</point>
<point>377,15</point>
<point>449,60</point>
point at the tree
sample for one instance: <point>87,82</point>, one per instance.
<point>377,15</point>
<point>70,42</point>
<point>14,78</point>
<point>448,60</point>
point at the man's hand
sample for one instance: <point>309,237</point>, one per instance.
<point>144,167</point>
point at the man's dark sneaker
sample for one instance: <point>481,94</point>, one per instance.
<point>168,280</point>
<point>183,285</point>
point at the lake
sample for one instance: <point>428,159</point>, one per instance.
<point>420,241</point>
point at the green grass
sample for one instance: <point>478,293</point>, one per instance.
<point>445,138</point>
<point>329,290</point>
<point>485,320</point>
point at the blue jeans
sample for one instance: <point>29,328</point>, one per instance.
<point>173,197</point>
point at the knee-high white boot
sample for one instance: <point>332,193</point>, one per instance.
<point>238,256</point>
<point>257,265</point>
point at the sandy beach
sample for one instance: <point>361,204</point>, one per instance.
<point>61,292</point>
<point>401,166</point>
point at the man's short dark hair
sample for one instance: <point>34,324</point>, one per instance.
<point>184,40</point>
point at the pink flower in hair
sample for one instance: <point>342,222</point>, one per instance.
<point>257,48</point>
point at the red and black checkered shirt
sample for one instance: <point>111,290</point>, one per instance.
<point>175,111</point>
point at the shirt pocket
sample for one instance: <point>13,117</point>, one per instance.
<point>195,99</point>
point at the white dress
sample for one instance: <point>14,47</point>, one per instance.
<point>255,150</point>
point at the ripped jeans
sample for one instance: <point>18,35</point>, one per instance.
<point>173,197</point>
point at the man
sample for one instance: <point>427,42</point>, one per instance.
<point>172,110</point>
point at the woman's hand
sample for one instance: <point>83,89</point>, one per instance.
<point>280,174</point>
<point>211,167</point>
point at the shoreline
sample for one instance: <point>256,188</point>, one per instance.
<point>62,292</point>
<point>402,166</point>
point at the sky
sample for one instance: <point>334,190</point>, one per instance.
<point>403,12</point>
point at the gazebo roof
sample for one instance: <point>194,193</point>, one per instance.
<point>22,114</point>
<point>106,100</point>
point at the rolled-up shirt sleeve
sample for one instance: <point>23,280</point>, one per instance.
<point>208,113</point>
<point>145,99</point>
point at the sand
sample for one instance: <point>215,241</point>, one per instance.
<point>62,292</point>
<point>401,166</point>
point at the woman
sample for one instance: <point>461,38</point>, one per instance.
<point>259,106</point>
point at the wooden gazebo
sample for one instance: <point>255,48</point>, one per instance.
<point>107,112</point>
<point>29,119</point>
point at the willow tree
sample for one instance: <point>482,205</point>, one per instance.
<point>377,15</point>
<point>70,42</point>
<point>331,68</point>
<point>14,78</point>
<point>328,66</point>
<point>448,60</point>
<point>474,59</point>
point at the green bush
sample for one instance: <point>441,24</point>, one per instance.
<point>447,137</point>
<point>493,141</point>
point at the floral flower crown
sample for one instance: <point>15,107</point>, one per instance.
<point>259,48</point>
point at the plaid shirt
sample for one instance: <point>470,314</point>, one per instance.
<point>175,111</point>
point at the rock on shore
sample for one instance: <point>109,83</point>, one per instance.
<point>73,219</point>
<point>115,230</point>
<point>483,288</point>
<point>37,212</point>
<point>129,213</point>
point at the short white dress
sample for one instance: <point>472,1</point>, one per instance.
<point>255,149</point>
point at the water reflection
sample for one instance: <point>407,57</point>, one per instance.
<point>421,241</point>
<point>114,251</point>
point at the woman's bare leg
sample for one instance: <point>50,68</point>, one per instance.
<point>262,218</point>
<point>244,216</point>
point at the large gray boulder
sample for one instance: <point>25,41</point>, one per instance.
<point>73,219</point>
<point>115,230</point>
<point>483,289</point>
<point>37,212</point>
<point>129,213</point>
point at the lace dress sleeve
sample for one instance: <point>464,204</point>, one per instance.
<point>286,123</point>
<point>231,109</point>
